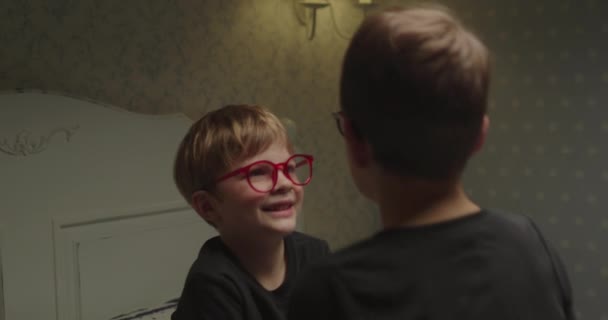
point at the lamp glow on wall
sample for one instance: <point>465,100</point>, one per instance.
<point>310,8</point>
<point>313,6</point>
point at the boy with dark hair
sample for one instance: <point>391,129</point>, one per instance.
<point>413,95</point>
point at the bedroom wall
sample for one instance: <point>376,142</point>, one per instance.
<point>193,56</point>
<point>546,153</point>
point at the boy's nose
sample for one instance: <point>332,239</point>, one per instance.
<point>283,183</point>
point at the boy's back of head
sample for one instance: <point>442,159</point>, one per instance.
<point>414,84</point>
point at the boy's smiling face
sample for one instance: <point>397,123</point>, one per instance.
<point>243,212</point>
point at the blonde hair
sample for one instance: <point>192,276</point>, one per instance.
<point>219,140</point>
<point>415,85</point>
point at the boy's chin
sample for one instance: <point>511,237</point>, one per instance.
<point>284,227</point>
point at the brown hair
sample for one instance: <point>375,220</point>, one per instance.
<point>415,85</point>
<point>219,140</point>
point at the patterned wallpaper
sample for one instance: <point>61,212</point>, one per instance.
<point>546,154</point>
<point>194,56</point>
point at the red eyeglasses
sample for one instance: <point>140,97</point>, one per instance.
<point>262,175</point>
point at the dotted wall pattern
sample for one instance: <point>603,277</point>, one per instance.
<point>546,153</point>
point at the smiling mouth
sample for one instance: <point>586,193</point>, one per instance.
<point>278,207</point>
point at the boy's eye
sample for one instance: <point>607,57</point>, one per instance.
<point>291,167</point>
<point>260,170</point>
<point>300,163</point>
<point>257,172</point>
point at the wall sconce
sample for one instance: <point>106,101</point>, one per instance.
<point>308,9</point>
<point>312,6</point>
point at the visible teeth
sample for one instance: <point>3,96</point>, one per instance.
<point>279,207</point>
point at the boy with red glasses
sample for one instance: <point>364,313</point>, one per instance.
<point>237,169</point>
<point>413,95</point>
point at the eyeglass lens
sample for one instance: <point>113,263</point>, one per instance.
<point>262,176</point>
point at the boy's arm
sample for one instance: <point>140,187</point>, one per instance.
<point>561,275</point>
<point>564,281</point>
<point>205,298</point>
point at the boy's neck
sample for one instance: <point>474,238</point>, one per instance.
<point>415,202</point>
<point>263,258</point>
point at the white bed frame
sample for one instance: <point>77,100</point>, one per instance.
<point>91,225</point>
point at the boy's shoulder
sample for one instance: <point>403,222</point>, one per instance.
<point>307,247</point>
<point>214,259</point>
<point>502,224</point>
<point>503,227</point>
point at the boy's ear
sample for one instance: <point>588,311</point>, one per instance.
<point>358,149</point>
<point>205,204</point>
<point>483,133</point>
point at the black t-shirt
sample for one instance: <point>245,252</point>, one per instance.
<point>218,287</point>
<point>485,266</point>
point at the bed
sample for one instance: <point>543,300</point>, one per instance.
<point>160,312</point>
<point>91,225</point>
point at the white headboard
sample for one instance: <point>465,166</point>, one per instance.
<point>91,223</point>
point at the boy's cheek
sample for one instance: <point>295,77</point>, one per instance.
<point>300,199</point>
<point>299,191</point>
